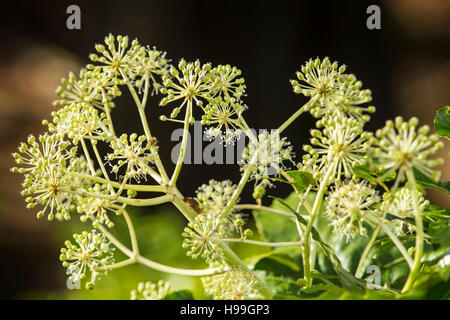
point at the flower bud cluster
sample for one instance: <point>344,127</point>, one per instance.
<point>348,205</point>
<point>134,153</point>
<point>151,291</point>
<point>90,252</point>
<point>47,163</point>
<point>401,204</point>
<point>331,91</point>
<point>268,157</point>
<point>232,285</point>
<point>401,146</point>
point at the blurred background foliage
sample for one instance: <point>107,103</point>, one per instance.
<point>406,64</point>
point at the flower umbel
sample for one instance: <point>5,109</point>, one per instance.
<point>47,180</point>
<point>151,291</point>
<point>331,91</point>
<point>191,85</point>
<point>117,57</point>
<point>401,204</point>
<point>400,146</point>
<point>223,117</point>
<point>268,157</point>
<point>201,237</point>
<point>90,252</point>
<point>226,81</point>
<point>79,121</point>
<point>348,205</point>
<point>232,285</point>
<point>342,141</point>
<point>135,154</point>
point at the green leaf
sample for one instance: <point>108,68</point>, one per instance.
<point>179,295</point>
<point>442,122</point>
<point>434,256</point>
<point>347,279</point>
<point>374,177</point>
<point>274,227</point>
<point>302,179</point>
<point>276,263</point>
<point>427,182</point>
<point>280,271</point>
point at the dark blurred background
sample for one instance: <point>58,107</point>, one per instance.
<point>406,64</point>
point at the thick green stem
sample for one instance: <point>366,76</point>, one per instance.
<point>133,202</point>
<point>134,243</point>
<point>419,234</point>
<point>359,270</point>
<point>136,187</point>
<point>184,141</point>
<point>394,239</point>
<point>141,109</point>
<point>292,118</point>
<point>230,257</point>
<point>152,264</point>
<point>306,248</point>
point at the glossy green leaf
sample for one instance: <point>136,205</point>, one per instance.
<point>442,122</point>
<point>274,227</point>
<point>347,279</point>
<point>302,179</point>
<point>180,295</point>
<point>429,183</point>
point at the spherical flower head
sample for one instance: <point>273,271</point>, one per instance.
<point>188,82</point>
<point>77,90</point>
<point>96,209</point>
<point>400,146</point>
<point>90,252</point>
<point>201,236</point>
<point>151,291</point>
<point>232,285</point>
<point>150,64</point>
<point>330,90</point>
<point>223,119</point>
<point>348,205</point>
<point>268,157</point>
<point>215,195</point>
<point>227,82</point>
<point>134,154</point>
<point>104,84</point>
<point>79,121</point>
<point>212,199</point>
<point>46,164</point>
<point>401,204</point>
<point>342,143</point>
<point>117,57</point>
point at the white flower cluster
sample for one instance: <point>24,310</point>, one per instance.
<point>331,91</point>
<point>47,165</point>
<point>399,147</point>
<point>348,205</point>
<point>401,204</point>
<point>91,252</point>
<point>220,87</point>
<point>211,225</point>
<point>267,157</point>
<point>151,291</point>
<point>133,153</point>
<point>341,142</point>
<point>232,285</point>
<point>341,145</point>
